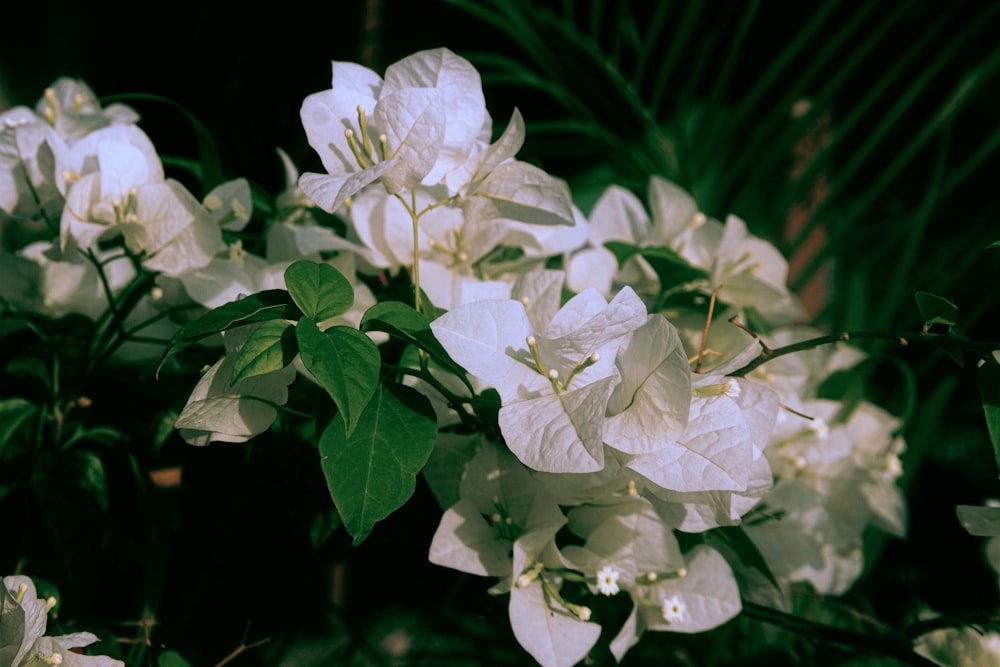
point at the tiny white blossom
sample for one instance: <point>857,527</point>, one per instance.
<point>673,609</point>
<point>607,580</point>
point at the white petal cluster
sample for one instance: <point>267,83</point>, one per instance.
<point>24,616</point>
<point>663,437</point>
<point>624,416</point>
<point>473,205</point>
<point>93,177</point>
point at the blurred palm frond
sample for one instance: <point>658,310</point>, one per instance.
<point>875,122</point>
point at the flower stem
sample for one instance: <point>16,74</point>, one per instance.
<point>416,250</point>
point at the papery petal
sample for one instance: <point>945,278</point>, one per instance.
<point>618,216</point>
<point>559,433</point>
<point>414,123</point>
<point>487,338</point>
<point>460,89</point>
<point>551,634</point>
<point>522,192</point>
<point>330,191</point>
<point>325,116</point>
<point>465,541</point>
<point>673,211</point>
<point>479,166</point>
<point>77,228</point>
<point>357,79</point>
<point>650,406</point>
<point>709,593</point>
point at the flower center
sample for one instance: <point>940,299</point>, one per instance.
<point>363,148</point>
<point>552,373</point>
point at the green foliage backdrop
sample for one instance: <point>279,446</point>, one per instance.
<point>860,138</point>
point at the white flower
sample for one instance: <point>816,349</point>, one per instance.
<point>673,609</point>
<point>29,151</point>
<point>607,580</point>
<point>617,216</point>
<point>42,279</point>
<point>23,616</point>
<point>549,424</point>
<point>127,195</point>
<point>503,524</point>
<point>74,111</point>
<point>960,647</point>
<point>423,120</point>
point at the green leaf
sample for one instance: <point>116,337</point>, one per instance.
<point>323,526</point>
<point>171,659</point>
<point>30,367</point>
<point>401,321</point>
<point>344,361</point>
<point>981,521</point>
<point>372,472</point>
<point>486,405</point>
<point>989,389</point>
<point>319,290</point>
<point>271,347</point>
<point>735,540</point>
<point>164,428</point>
<point>72,489</point>
<point>104,435</point>
<point>670,267</point>
<point>275,304</point>
<point>936,310</point>
<point>951,346</point>
<point>192,167</point>
<point>995,244</point>
<point>14,413</point>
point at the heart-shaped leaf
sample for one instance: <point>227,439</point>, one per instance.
<point>372,472</point>
<point>344,361</point>
<point>275,304</point>
<point>936,309</point>
<point>269,348</point>
<point>318,289</point>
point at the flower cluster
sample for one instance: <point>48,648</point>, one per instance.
<point>614,341</point>
<point>86,207</point>
<point>639,425</point>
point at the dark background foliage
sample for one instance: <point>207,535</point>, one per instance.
<point>231,546</point>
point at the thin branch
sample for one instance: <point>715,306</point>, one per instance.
<point>903,338</point>
<point>242,648</point>
<point>708,325</point>
<point>826,634</point>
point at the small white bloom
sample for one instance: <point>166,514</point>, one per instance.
<point>673,609</point>
<point>607,580</point>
